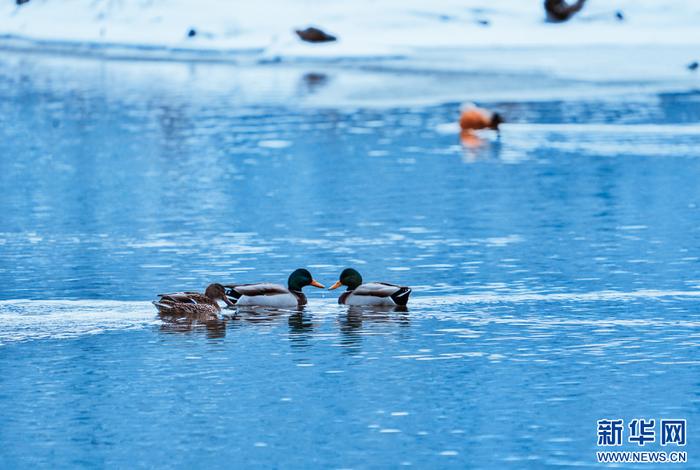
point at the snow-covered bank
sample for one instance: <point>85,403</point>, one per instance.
<point>366,28</point>
<point>388,53</point>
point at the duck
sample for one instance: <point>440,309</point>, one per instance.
<point>264,294</point>
<point>559,11</point>
<point>193,303</point>
<point>371,293</point>
<point>474,118</point>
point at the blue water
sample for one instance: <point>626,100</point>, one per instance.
<point>555,269</point>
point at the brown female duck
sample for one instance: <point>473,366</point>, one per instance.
<point>193,303</point>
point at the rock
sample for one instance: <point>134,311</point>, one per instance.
<point>191,33</point>
<point>693,66</point>
<point>559,10</point>
<point>312,34</point>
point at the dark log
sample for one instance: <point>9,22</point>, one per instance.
<point>312,34</point>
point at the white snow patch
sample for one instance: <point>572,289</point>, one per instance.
<point>365,28</point>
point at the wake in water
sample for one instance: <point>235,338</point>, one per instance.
<point>22,320</point>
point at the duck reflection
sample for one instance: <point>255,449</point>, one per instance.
<point>258,315</point>
<point>471,139</point>
<point>301,329</point>
<point>312,82</point>
<point>354,321</point>
<point>212,325</point>
<point>476,147</point>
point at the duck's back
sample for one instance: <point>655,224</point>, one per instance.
<point>475,118</point>
<point>376,293</point>
<point>186,303</point>
<point>266,294</point>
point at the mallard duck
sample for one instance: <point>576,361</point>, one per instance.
<point>193,303</point>
<point>474,118</point>
<point>264,294</point>
<point>371,293</point>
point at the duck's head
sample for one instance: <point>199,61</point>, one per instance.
<point>496,120</point>
<point>217,292</point>
<point>300,279</point>
<point>349,278</point>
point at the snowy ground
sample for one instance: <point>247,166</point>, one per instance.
<point>366,28</point>
<point>389,52</point>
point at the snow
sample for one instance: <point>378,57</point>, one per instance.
<point>263,31</point>
<point>408,52</point>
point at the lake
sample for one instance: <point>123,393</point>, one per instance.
<point>554,267</point>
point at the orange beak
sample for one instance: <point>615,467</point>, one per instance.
<point>335,286</point>
<point>317,284</point>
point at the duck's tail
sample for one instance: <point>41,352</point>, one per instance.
<point>162,307</point>
<point>400,297</point>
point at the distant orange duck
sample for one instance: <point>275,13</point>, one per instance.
<point>474,118</point>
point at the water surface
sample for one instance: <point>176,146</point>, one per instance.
<point>554,267</point>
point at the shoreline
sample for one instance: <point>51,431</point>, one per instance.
<point>426,77</point>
